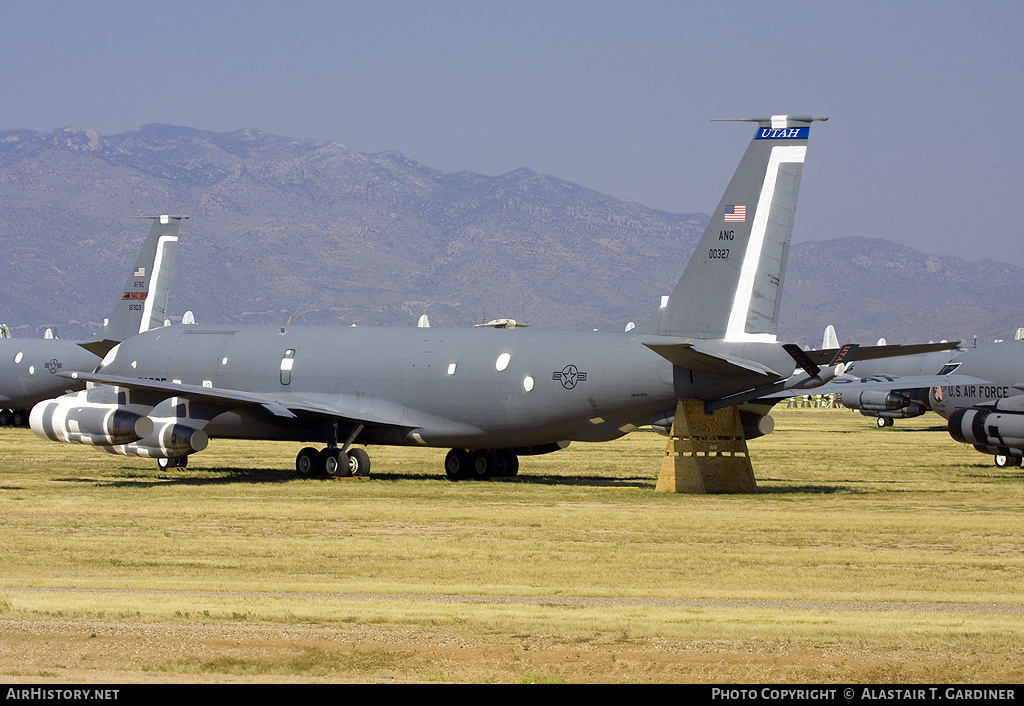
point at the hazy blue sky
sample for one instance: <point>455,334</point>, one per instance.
<point>921,149</point>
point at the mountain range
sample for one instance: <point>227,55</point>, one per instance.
<point>307,231</point>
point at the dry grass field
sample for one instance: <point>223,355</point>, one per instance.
<point>893,555</point>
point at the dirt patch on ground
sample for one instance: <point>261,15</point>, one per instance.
<point>123,653</point>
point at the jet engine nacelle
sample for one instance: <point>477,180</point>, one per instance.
<point>168,440</point>
<point>754,424</point>
<point>73,420</point>
<point>913,409</point>
<point>988,427</point>
<point>876,401</point>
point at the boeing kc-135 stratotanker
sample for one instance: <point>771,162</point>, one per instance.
<point>490,395</point>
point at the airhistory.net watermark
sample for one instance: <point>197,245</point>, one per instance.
<point>40,694</point>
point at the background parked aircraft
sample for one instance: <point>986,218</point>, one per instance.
<point>990,414</point>
<point>897,403</point>
<point>29,368</point>
<point>980,391</point>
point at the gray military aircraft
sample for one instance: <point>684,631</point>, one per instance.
<point>980,391</point>
<point>897,403</point>
<point>29,368</point>
<point>489,394</point>
<point>989,415</point>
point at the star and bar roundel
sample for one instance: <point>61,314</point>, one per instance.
<point>569,376</point>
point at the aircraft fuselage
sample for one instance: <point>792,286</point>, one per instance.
<point>29,367</point>
<point>470,388</point>
<point>1002,364</point>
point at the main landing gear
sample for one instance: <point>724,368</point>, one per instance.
<point>459,464</point>
<point>480,464</point>
<point>13,417</point>
<point>332,462</point>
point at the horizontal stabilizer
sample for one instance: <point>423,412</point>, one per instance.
<point>846,354</point>
<point>99,348</point>
<point>801,358</point>
<point>691,357</point>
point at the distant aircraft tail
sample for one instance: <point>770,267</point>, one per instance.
<point>143,305</point>
<point>731,288</point>
<point>830,339</point>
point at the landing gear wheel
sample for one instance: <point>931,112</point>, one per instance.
<point>307,463</point>
<point>456,464</point>
<point>883,422</point>
<point>484,465</point>
<point>5,418</point>
<point>18,418</point>
<point>508,464</point>
<point>165,464</point>
<point>358,462</point>
<point>1007,460</point>
<point>335,463</point>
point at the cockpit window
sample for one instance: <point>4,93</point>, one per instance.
<point>948,368</point>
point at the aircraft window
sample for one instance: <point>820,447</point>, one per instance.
<point>948,368</point>
<point>31,370</point>
<point>223,361</point>
<point>502,362</point>
<point>17,358</point>
<point>528,383</point>
<point>451,368</point>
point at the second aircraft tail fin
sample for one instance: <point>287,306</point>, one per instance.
<point>143,305</point>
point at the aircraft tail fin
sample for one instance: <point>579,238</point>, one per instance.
<point>143,305</point>
<point>731,288</point>
<point>830,339</point>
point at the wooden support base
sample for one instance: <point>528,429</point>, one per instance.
<point>706,453</point>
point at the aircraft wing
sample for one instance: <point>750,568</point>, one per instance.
<point>288,407</point>
<point>693,357</point>
<point>850,383</point>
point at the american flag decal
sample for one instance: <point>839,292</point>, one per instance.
<point>735,213</point>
